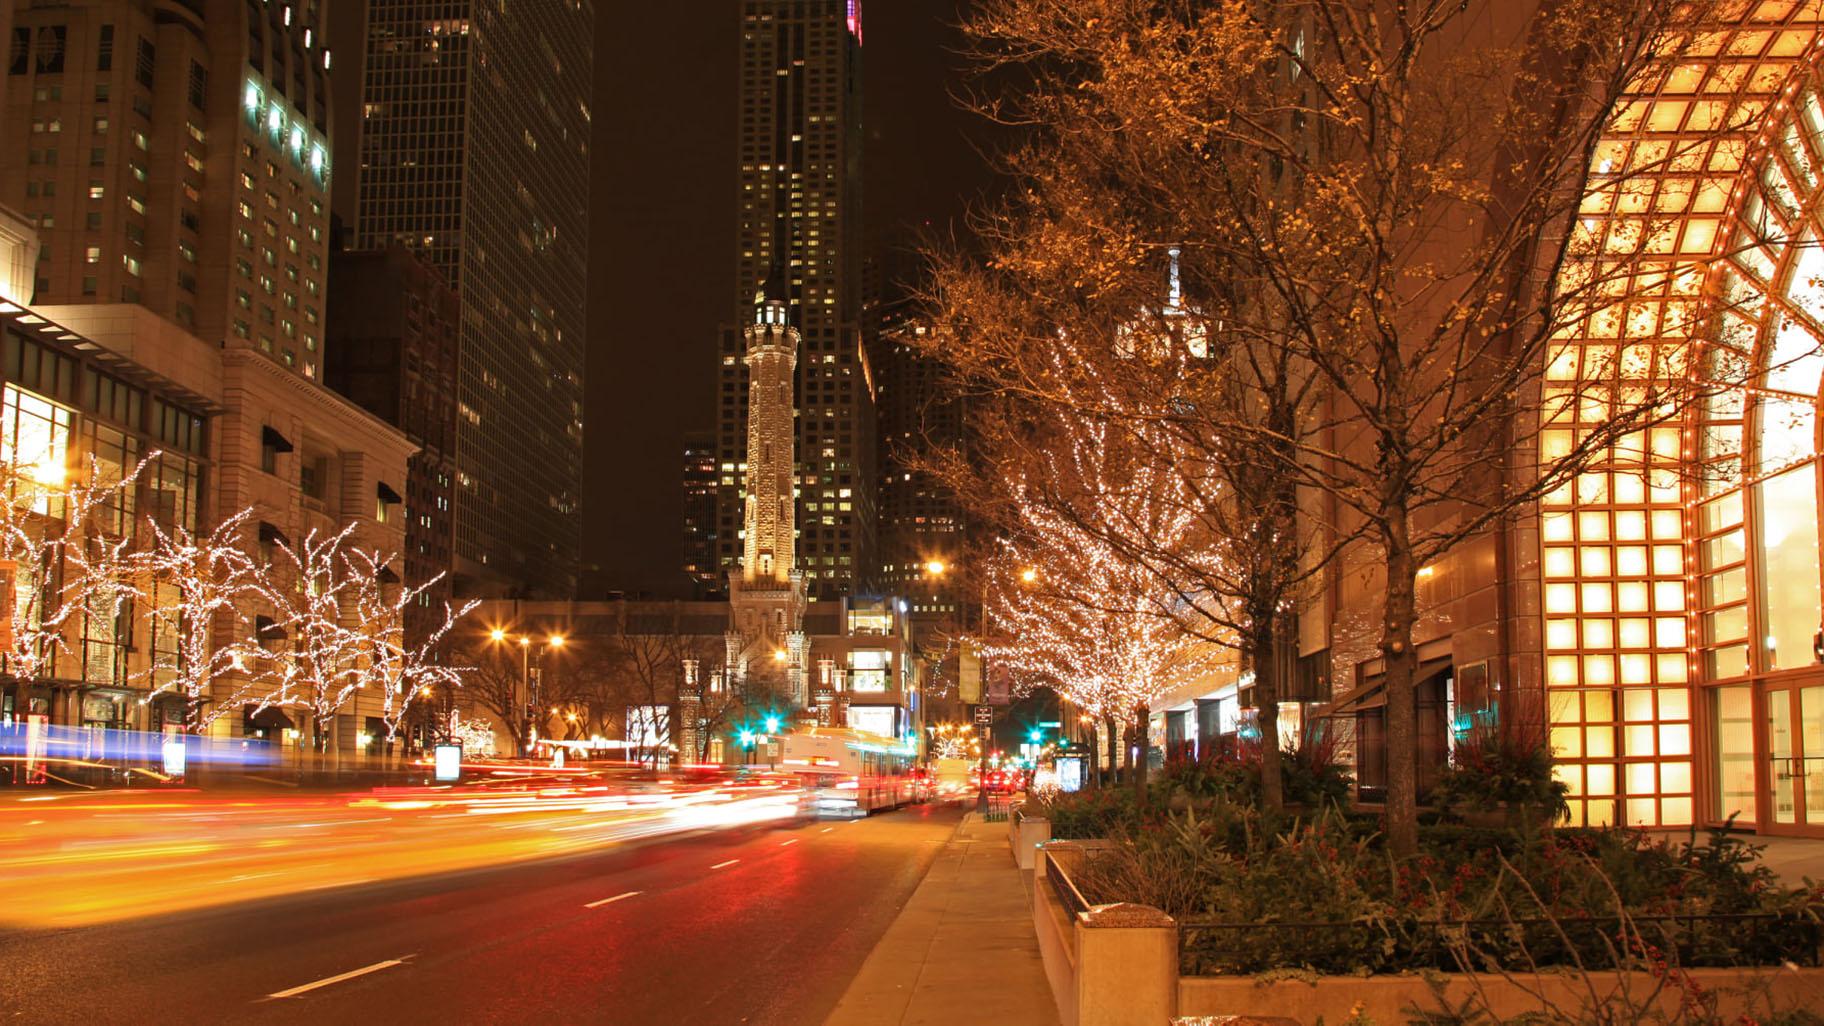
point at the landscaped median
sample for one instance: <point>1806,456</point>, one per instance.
<point>1203,905</point>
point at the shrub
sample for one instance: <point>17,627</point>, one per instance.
<point>1495,767</point>
<point>1324,894</point>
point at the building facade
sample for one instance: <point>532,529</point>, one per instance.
<point>394,333</point>
<point>176,155</point>
<point>799,181</point>
<point>1660,615</point>
<point>234,429</point>
<point>173,159</point>
<point>475,151</point>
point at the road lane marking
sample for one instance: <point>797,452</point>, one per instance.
<point>792,841</point>
<point>828,829</point>
<point>610,901</point>
<point>351,974</point>
<point>725,865</point>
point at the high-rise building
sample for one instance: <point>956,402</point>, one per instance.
<point>699,520</point>
<point>799,176</point>
<point>475,150</point>
<point>176,155</point>
<point>921,521</point>
<point>393,338</point>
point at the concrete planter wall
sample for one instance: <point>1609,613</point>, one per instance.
<point>1117,965</point>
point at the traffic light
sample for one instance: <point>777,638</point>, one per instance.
<point>747,738</point>
<point>772,724</point>
<point>1035,735</point>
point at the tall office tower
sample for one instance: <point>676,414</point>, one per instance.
<point>393,335</point>
<point>921,521</point>
<point>175,155</point>
<point>699,482</point>
<point>475,150</point>
<point>800,203</point>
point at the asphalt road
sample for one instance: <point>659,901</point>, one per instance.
<point>761,924</point>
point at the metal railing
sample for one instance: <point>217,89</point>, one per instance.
<point>1065,889</point>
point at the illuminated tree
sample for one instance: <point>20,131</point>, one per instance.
<point>200,590</point>
<point>314,654</point>
<point>1069,609</point>
<point>65,552</point>
<point>405,671</point>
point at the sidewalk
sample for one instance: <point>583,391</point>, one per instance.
<point>1793,858</point>
<point>961,951</point>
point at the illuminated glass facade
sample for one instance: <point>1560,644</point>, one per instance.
<point>475,151</point>
<point>1683,659</point>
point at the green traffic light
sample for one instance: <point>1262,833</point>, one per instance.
<point>772,724</point>
<point>1034,735</point>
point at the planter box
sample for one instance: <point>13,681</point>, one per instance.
<point>1025,834</point>
<point>1115,965</point>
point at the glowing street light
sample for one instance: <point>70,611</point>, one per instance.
<point>1028,575</point>
<point>936,568</point>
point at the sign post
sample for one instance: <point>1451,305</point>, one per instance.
<point>984,719</point>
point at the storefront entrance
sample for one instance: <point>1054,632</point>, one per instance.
<point>1795,760</point>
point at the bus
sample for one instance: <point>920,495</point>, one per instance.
<point>847,772</point>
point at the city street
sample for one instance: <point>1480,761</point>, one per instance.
<point>655,918</point>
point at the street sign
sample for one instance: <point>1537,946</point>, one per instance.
<point>984,715</point>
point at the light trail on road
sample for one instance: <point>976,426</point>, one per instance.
<point>85,858</point>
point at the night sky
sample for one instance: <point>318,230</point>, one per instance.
<point>663,228</point>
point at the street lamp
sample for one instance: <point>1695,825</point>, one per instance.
<point>552,641</point>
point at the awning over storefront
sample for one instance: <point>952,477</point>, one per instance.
<point>387,495</point>
<point>271,535</point>
<point>271,439</point>
<point>1372,694</point>
<point>270,718</point>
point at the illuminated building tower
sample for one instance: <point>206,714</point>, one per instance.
<point>175,155</point>
<point>767,591</point>
<point>475,151</point>
<point>799,178</point>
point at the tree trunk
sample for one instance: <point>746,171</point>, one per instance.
<point>1142,742</point>
<point>1265,656</point>
<point>1401,662</point>
<point>1114,742</point>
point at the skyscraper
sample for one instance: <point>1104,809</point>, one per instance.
<point>921,520</point>
<point>475,150</point>
<point>799,176</point>
<point>699,522</point>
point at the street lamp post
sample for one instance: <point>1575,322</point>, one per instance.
<point>522,722</point>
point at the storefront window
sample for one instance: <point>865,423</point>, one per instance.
<point>1788,529</point>
<point>35,439</point>
<point>1732,710</point>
